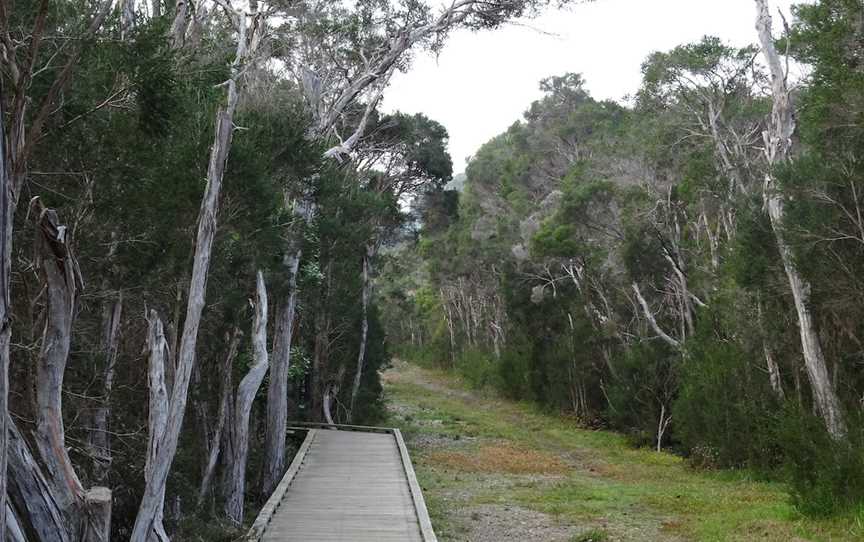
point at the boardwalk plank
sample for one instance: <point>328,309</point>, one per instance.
<point>351,486</point>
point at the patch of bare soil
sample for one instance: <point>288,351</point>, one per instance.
<point>497,523</point>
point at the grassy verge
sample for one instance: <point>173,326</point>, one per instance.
<point>489,466</point>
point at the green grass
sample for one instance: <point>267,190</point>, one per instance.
<point>625,493</point>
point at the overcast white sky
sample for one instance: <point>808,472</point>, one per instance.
<point>482,82</point>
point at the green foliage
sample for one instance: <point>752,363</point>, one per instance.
<point>724,404</point>
<point>527,286</point>
<point>300,363</point>
<point>826,476</point>
<point>478,368</point>
<point>754,253</point>
<point>645,385</point>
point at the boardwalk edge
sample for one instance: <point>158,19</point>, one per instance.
<point>416,493</point>
<point>266,515</point>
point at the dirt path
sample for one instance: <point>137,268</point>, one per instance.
<point>497,471</point>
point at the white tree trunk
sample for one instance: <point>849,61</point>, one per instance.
<point>674,343</point>
<point>246,392</point>
<point>180,23</point>
<point>157,348</point>
<point>778,149</point>
<point>154,491</point>
<point>365,296</point>
<point>277,391</point>
<point>773,369</point>
<point>13,528</point>
<point>127,18</point>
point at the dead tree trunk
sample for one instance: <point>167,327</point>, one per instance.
<point>366,296</point>
<point>157,348</point>
<point>35,515</point>
<point>778,149</point>
<point>59,271</point>
<point>86,514</point>
<point>30,495</point>
<point>277,391</point>
<point>246,392</point>
<point>154,491</point>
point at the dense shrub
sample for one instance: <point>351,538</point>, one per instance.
<point>826,477</point>
<point>645,386</point>
<point>725,405</point>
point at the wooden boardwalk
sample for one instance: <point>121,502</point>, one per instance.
<point>347,485</point>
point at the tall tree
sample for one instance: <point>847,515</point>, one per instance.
<point>779,150</point>
<point>249,37</point>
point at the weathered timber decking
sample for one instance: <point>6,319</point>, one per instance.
<point>347,483</point>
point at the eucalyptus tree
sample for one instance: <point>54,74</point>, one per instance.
<point>250,28</point>
<point>343,55</point>
<point>402,158</point>
<point>825,184</point>
<point>779,150</point>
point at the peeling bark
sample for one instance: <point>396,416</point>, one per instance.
<point>30,494</point>
<point>7,211</point>
<point>157,348</point>
<point>180,23</point>
<point>59,271</point>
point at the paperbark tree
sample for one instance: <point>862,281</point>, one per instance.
<point>59,271</point>
<point>778,139</point>
<point>277,391</point>
<point>330,92</point>
<point>250,35</point>
<point>246,392</point>
<point>48,494</point>
<point>157,349</point>
<point>6,212</point>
